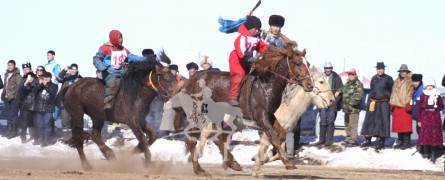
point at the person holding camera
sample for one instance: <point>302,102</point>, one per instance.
<point>25,101</point>
<point>66,77</point>
<point>45,98</point>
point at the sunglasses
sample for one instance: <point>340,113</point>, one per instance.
<point>39,69</point>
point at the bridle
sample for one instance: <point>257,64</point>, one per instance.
<point>291,81</point>
<point>317,92</point>
<point>152,86</point>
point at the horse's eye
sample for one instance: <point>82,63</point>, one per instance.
<point>321,82</point>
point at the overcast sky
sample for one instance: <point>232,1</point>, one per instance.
<point>357,32</point>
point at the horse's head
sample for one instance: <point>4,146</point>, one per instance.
<point>321,95</point>
<point>165,81</point>
<point>300,69</point>
<point>287,64</point>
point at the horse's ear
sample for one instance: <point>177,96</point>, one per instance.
<point>303,53</point>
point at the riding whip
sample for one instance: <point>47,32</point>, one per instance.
<point>231,26</point>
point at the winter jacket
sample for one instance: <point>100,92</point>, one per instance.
<point>381,87</point>
<point>54,68</point>
<point>67,79</point>
<point>336,84</point>
<point>45,97</point>
<point>352,93</point>
<point>102,60</point>
<point>415,100</point>
<point>245,44</point>
<point>25,97</point>
<point>11,85</point>
<point>1,82</point>
<point>402,92</point>
<point>274,40</point>
<point>443,83</point>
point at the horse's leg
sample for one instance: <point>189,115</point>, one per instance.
<point>228,159</point>
<point>96,136</point>
<point>191,147</point>
<point>261,156</point>
<point>79,136</point>
<point>281,146</point>
<point>277,135</point>
<point>143,144</point>
<point>151,133</point>
<point>205,133</point>
<point>83,159</point>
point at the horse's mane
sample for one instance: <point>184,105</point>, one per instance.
<point>137,74</point>
<point>273,56</point>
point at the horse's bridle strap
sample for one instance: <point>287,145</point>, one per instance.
<point>150,82</point>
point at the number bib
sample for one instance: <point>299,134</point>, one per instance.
<point>117,58</point>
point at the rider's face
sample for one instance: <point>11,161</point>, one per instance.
<point>254,32</point>
<point>120,40</point>
<point>275,29</point>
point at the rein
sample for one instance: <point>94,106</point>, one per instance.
<point>291,81</point>
<point>152,86</point>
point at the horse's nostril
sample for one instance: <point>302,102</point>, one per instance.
<point>331,100</point>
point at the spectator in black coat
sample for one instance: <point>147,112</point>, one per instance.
<point>25,102</point>
<point>66,77</point>
<point>45,98</point>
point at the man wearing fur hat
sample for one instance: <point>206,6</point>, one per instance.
<point>273,36</point>
<point>25,101</point>
<point>377,119</point>
<point>192,67</point>
<point>246,43</point>
<point>402,92</point>
<point>418,90</point>
<point>109,60</point>
<point>207,63</point>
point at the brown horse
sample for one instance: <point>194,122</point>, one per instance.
<point>204,96</point>
<point>143,81</point>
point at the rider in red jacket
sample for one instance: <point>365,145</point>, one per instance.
<point>247,42</point>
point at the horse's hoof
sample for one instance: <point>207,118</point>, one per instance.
<point>86,166</point>
<point>291,167</point>
<point>111,156</point>
<point>225,166</point>
<point>136,150</point>
<point>236,166</point>
<point>147,164</point>
<point>257,173</point>
<point>202,173</point>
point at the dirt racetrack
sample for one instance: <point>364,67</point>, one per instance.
<point>70,169</point>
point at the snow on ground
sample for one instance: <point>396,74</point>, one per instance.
<point>174,151</point>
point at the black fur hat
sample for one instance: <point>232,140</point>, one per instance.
<point>417,77</point>
<point>276,20</point>
<point>174,67</point>
<point>192,65</point>
<point>252,22</point>
<point>26,65</point>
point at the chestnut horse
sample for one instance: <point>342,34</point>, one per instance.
<point>139,86</point>
<point>260,96</point>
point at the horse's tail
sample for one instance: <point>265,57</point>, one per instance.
<point>79,136</point>
<point>61,97</point>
